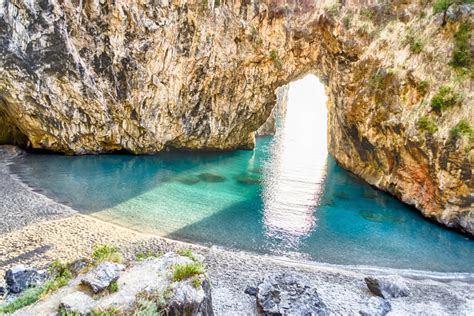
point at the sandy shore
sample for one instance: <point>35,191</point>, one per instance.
<point>36,231</point>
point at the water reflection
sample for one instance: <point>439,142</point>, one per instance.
<point>298,155</point>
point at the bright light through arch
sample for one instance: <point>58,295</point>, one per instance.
<point>298,158</point>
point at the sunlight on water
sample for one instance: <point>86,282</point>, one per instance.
<point>287,197</point>
<point>294,183</point>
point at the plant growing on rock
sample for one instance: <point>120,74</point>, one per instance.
<point>423,87</point>
<point>113,287</point>
<point>142,255</point>
<point>463,53</point>
<point>445,98</point>
<point>414,42</point>
<point>462,128</point>
<point>442,6</point>
<point>106,253</point>
<point>61,276</point>
<point>276,59</point>
<point>427,124</point>
<point>184,271</point>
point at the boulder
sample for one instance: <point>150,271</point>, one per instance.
<point>77,303</point>
<point>285,294</point>
<point>188,300</point>
<point>376,306</point>
<point>387,287</point>
<point>99,278</point>
<point>20,278</point>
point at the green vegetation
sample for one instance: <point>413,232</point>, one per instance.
<point>151,303</point>
<point>445,98</point>
<point>106,312</point>
<point>427,124</point>
<point>462,128</point>
<point>332,10</point>
<point>377,80</point>
<point>106,253</point>
<point>414,42</point>
<point>140,256</point>
<point>113,287</point>
<point>442,6</point>
<point>196,282</point>
<point>187,253</point>
<point>463,53</point>
<point>184,271</point>
<point>276,59</point>
<point>423,87</point>
<point>346,21</point>
<point>61,277</point>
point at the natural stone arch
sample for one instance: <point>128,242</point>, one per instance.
<point>141,76</point>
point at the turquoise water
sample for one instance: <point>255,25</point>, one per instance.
<point>223,199</point>
<point>288,197</point>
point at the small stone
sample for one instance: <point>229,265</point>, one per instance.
<point>77,303</point>
<point>78,266</point>
<point>250,290</point>
<point>376,306</point>
<point>20,278</point>
<point>387,287</point>
<point>101,276</point>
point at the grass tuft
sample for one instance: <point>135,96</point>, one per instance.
<point>184,271</point>
<point>276,59</point>
<point>113,287</point>
<point>427,124</point>
<point>463,53</point>
<point>462,128</point>
<point>444,99</point>
<point>423,87</point>
<point>106,253</point>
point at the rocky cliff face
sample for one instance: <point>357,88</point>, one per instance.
<point>140,76</point>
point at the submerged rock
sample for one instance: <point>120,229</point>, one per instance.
<point>387,287</point>
<point>99,278</point>
<point>285,294</point>
<point>20,278</point>
<point>188,180</point>
<point>380,217</point>
<point>247,179</point>
<point>376,306</point>
<point>211,177</point>
<point>77,303</point>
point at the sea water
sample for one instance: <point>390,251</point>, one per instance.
<point>287,197</point>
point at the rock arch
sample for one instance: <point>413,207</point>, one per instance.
<point>141,76</point>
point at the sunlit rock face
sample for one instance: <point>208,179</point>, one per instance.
<point>140,76</point>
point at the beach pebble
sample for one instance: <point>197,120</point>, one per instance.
<point>387,287</point>
<point>101,276</point>
<point>250,290</point>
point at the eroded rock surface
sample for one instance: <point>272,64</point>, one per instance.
<point>140,76</point>
<point>388,286</point>
<point>289,294</point>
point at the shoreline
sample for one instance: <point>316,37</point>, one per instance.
<point>69,235</point>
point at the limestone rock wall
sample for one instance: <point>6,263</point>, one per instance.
<point>140,76</point>
<point>277,116</point>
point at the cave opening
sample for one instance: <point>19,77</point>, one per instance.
<point>299,155</point>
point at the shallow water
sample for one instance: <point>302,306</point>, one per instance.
<point>287,197</point>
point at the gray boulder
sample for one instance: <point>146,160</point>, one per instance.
<point>188,300</point>
<point>376,306</point>
<point>20,278</point>
<point>77,303</point>
<point>387,287</point>
<point>285,294</point>
<point>101,276</point>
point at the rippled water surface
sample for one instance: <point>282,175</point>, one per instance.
<point>287,197</point>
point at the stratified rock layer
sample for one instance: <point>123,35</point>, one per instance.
<point>140,76</point>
